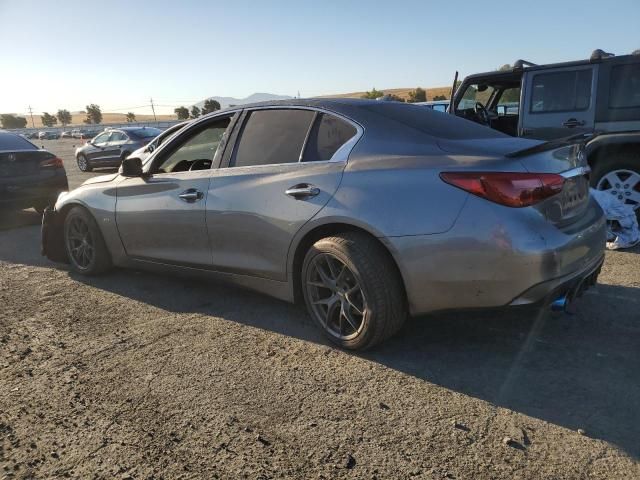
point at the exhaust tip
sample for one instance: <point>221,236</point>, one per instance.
<point>560,304</point>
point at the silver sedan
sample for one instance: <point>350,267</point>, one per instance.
<point>366,211</point>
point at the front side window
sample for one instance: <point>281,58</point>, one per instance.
<point>561,91</point>
<point>197,152</point>
<point>328,134</point>
<point>624,89</point>
<point>509,102</point>
<point>102,138</point>
<point>272,136</point>
<point>117,137</point>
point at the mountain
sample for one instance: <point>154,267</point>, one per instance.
<point>256,97</point>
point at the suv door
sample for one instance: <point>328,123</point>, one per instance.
<point>559,102</point>
<point>161,216</point>
<point>286,164</point>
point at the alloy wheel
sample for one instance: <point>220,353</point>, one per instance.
<point>82,162</point>
<point>624,185</point>
<point>335,296</point>
<point>80,243</point>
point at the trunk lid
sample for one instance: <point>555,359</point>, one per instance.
<point>22,163</point>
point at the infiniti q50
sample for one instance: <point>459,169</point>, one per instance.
<point>365,211</point>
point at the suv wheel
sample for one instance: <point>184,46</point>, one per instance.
<point>620,176</point>
<point>353,290</point>
<point>83,163</point>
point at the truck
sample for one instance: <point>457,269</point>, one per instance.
<point>597,98</point>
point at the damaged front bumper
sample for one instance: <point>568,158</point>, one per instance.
<point>52,238</point>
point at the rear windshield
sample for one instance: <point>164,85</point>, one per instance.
<point>145,132</point>
<point>11,141</point>
<point>431,122</point>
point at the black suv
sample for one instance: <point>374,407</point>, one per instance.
<point>598,97</point>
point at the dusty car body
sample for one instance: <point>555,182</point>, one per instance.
<point>420,211</point>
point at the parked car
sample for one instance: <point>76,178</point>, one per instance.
<point>66,134</point>
<point>365,210</point>
<point>437,105</point>
<point>48,136</point>
<point>82,133</point>
<point>599,97</point>
<point>143,152</point>
<point>110,147</point>
<point>29,177</point>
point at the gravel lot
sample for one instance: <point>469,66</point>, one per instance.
<point>133,375</point>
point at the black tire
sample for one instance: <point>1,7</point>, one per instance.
<point>83,163</point>
<point>383,297</point>
<point>99,260</point>
<point>619,161</point>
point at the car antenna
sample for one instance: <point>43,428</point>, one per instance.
<point>453,91</point>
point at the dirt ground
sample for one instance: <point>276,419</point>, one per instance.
<point>133,375</point>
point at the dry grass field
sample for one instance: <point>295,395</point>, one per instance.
<point>78,119</point>
<point>401,92</point>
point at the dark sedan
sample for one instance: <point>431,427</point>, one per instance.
<point>110,147</point>
<point>29,177</point>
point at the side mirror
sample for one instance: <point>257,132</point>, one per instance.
<point>131,167</point>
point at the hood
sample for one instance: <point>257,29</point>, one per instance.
<point>101,179</point>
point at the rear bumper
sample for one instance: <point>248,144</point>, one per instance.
<point>23,192</point>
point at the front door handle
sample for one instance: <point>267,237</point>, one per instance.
<point>191,195</point>
<point>302,191</point>
<point>572,122</point>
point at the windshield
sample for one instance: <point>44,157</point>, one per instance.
<point>475,93</point>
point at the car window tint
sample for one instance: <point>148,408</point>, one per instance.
<point>272,136</point>
<point>624,88</point>
<point>102,138</point>
<point>197,152</point>
<point>561,91</point>
<point>328,134</point>
<point>9,141</point>
<point>117,137</point>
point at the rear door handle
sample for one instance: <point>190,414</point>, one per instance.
<point>191,195</point>
<point>302,191</point>
<point>572,122</point>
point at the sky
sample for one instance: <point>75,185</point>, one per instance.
<point>119,54</point>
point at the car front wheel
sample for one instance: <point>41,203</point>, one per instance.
<point>83,241</point>
<point>353,290</point>
<point>83,163</point>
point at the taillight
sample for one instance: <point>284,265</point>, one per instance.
<point>54,162</point>
<point>512,189</point>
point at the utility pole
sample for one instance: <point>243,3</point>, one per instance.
<point>154,110</point>
<point>31,113</point>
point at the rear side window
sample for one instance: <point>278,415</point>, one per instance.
<point>117,137</point>
<point>561,91</point>
<point>9,141</point>
<point>624,89</point>
<point>272,136</point>
<point>328,134</point>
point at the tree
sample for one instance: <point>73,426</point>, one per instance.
<point>195,112</point>
<point>48,120</point>
<point>210,105</point>
<point>417,95</point>
<point>182,113</point>
<point>131,117</point>
<point>12,121</point>
<point>373,94</point>
<point>439,97</point>
<point>94,115</point>
<point>505,67</point>
<point>394,98</point>
<point>64,117</point>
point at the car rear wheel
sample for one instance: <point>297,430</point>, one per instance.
<point>620,176</point>
<point>353,290</point>
<point>83,241</point>
<point>83,163</point>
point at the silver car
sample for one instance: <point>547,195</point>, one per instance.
<point>367,211</point>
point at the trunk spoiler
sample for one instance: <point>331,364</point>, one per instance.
<point>580,139</point>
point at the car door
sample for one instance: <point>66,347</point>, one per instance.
<point>113,149</point>
<point>285,165</point>
<point>161,216</point>
<point>559,102</point>
<point>98,146</point>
